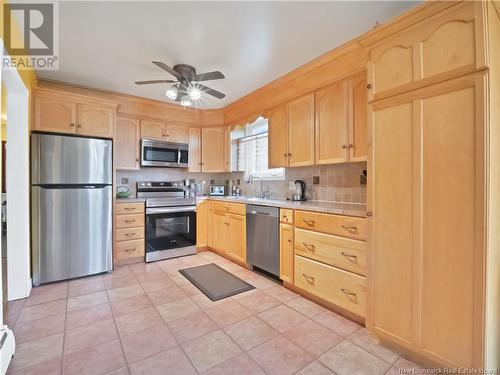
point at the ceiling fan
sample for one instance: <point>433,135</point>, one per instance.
<point>186,87</point>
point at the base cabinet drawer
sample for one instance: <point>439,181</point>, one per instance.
<point>129,208</point>
<point>342,288</point>
<point>129,249</point>
<point>126,234</point>
<point>286,216</point>
<point>336,251</point>
<point>345,226</point>
<point>233,208</point>
<point>129,221</point>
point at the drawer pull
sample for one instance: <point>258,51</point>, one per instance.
<point>226,223</point>
<point>289,241</point>
<point>130,221</point>
<point>309,222</point>
<point>226,208</point>
<point>350,228</point>
<point>309,246</point>
<point>130,250</point>
<point>347,292</point>
<point>350,256</point>
<point>309,278</point>
<point>129,208</point>
<point>129,234</point>
<point>285,218</point>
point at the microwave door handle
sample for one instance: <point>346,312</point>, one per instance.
<point>178,155</point>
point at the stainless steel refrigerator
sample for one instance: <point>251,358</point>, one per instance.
<point>71,192</point>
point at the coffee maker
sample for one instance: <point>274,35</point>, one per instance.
<point>300,191</point>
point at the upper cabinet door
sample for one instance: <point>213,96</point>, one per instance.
<point>358,134</point>
<point>332,124</point>
<point>54,115</point>
<point>152,130</point>
<point>176,133</point>
<point>441,47</point>
<point>301,130</point>
<point>278,137</point>
<point>212,149</point>
<point>194,150</point>
<point>127,139</point>
<point>95,120</point>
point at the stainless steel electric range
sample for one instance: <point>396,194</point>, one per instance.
<point>170,219</point>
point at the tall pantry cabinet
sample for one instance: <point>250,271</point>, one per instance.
<point>433,198</point>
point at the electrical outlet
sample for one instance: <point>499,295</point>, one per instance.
<point>315,180</point>
<point>124,181</point>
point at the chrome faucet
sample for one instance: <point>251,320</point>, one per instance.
<point>261,193</point>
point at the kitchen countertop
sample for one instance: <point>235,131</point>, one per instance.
<point>347,209</point>
<point>130,200</point>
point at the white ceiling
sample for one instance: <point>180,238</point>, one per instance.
<point>109,45</point>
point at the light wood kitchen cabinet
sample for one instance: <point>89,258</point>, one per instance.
<point>194,150</point>
<point>129,232</point>
<point>278,137</point>
<point>301,131</point>
<point>94,120</point>
<point>443,46</point>
<point>219,230</point>
<point>202,212</point>
<point>428,241</point>
<point>127,144</point>
<point>227,229</point>
<point>286,216</point>
<point>65,113</point>
<point>213,149</point>
<point>332,137</point>
<point>54,115</point>
<point>237,245</point>
<point>176,133</point>
<point>152,130</point>
<point>358,119</point>
<point>286,253</point>
<point>339,225</point>
<point>164,132</point>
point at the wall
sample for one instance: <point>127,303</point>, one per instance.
<point>337,183</point>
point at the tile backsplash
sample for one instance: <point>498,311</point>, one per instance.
<point>337,182</point>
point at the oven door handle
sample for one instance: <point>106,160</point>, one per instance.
<point>167,210</point>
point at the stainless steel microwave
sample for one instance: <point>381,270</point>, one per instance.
<point>164,154</point>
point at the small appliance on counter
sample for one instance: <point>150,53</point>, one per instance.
<point>219,190</point>
<point>300,191</point>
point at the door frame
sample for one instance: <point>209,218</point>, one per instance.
<point>17,184</point>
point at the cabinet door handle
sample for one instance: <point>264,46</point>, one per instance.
<point>347,292</point>
<point>309,246</point>
<point>130,221</point>
<point>289,154</point>
<point>130,250</point>
<point>369,214</point>
<point>350,145</point>
<point>72,125</point>
<point>344,147</point>
<point>309,222</point>
<point>285,154</point>
<point>129,208</point>
<point>309,278</point>
<point>226,223</point>
<point>79,126</point>
<point>350,228</point>
<point>369,86</point>
<point>350,256</point>
<point>289,241</point>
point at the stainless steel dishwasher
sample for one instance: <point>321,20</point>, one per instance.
<point>263,238</point>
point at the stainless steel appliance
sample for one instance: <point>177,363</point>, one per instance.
<point>170,219</point>
<point>219,190</point>
<point>263,238</point>
<point>300,191</point>
<point>164,154</point>
<point>71,206</point>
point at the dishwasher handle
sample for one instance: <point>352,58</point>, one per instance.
<point>262,211</point>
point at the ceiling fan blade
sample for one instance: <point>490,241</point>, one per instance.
<point>212,92</point>
<point>154,81</point>
<point>209,76</point>
<point>168,69</point>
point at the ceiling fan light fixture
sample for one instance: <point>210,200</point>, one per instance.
<point>195,93</point>
<point>172,92</point>
<point>186,102</point>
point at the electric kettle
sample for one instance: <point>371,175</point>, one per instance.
<point>300,191</point>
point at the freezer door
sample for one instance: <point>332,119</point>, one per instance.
<point>72,232</point>
<point>59,159</point>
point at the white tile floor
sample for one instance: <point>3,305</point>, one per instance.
<point>149,319</point>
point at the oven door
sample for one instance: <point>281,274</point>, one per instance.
<point>170,232</point>
<point>159,154</point>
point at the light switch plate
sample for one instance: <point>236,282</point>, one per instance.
<point>291,185</point>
